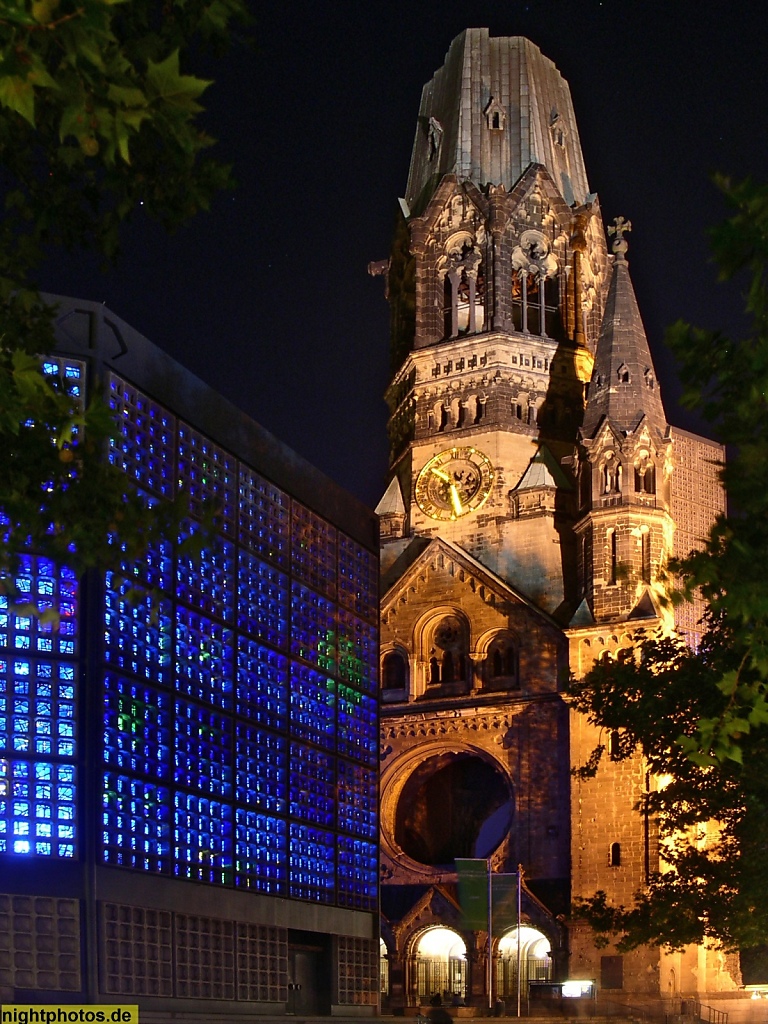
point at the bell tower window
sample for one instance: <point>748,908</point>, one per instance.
<point>464,292</point>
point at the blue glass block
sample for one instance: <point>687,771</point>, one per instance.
<point>207,473</point>
<point>156,569</point>
<point>262,684</point>
<point>67,374</point>
<point>207,581</point>
<point>358,652</point>
<point>137,824</point>
<point>311,863</point>
<point>264,519</point>
<point>203,840</point>
<point>313,706</point>
<point>357,725</point>
<point>357,796</point>
<point>313,550</point>
<point>138,728</point>
<point>313,628</point>
<point>261,855</point>
<point>37,708</point>
<point>203,750</point>
<point>262,601</point>
<point>145,438</point>
<point>40,582</point>
<point>138,633</point>
<point>358,872</point>
<point>358,579</point>
<point>204,659</point>
<point>261,769</point>
<point>31,795</point>
<point>312,785</point>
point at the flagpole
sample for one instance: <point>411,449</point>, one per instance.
<point>519,915</point>
<point>490,935</point>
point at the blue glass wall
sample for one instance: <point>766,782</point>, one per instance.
<point>39,731</point>
<point>240,726</point>
<point>239,735</point>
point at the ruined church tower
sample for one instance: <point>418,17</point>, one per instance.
<point>530,509</point>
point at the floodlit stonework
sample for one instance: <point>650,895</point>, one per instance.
<point>536,495</point>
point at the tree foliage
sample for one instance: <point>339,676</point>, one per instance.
<point>726,380</point>
<point>699,717</point>
<point>98,118</point>
<point>713,883</point>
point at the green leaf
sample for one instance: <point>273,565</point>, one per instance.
<point>174,88</point>
<point>17,94</point>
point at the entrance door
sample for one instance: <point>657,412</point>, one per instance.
<point>309,973</point>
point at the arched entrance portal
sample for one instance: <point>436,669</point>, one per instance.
<point>440,965</point>
<point>535,961</point>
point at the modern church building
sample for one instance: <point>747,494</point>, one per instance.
<point>189,783</point>
<point>536,492</point>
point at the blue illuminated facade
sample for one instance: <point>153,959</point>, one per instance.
<point>210,747</point>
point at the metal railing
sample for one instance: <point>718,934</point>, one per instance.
<point>699,1011</point>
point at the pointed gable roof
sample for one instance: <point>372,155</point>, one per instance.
<point>418,559</point>
<point>624,389</point>
<point>543,471</point>
<point>495,106</point>
<point>392,503</point>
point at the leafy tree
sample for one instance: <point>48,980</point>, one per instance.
<point>97,121</point>
<point>699,717</point>
<point>726,379</point>
<point>712,817</point>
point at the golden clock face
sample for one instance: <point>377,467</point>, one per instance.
<point>453,483</point>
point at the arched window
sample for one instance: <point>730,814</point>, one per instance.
<point>463,291</point>
<point>394,673</point>
<point>645,554</point>
<point>448,656</point>
<point>615,855</point>
<point>501,664</point>
<point>434,671</point>
<point>645,474</point>
<point>614,745</point>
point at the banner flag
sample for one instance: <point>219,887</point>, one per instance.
<point>473,896</point>
<point>504,902</point>
<point>473,892</point>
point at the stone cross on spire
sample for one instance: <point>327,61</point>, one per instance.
<point>618,228</point>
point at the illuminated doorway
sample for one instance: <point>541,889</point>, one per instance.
<point>440,964</point>
<point>535,961</point>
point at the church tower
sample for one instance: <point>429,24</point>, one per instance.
<point>528,517</point>
<point>496,282</point>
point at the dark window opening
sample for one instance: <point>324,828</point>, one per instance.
<point>613,557</point>
<point>645,556</point>
<point>615,855</point>
<point>612,972</point>
<point>614,745</point>
<point>645,478</point>
<point>393,671</point>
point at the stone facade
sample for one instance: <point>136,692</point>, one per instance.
<point>530,514</point>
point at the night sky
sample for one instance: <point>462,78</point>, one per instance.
<point>268,298</point>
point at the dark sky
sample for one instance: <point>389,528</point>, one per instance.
<point>268,298</point>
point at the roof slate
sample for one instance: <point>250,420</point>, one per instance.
<point>624,388</point>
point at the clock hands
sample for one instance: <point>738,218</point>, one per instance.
<point>453,490</point>
<point>453,483</point>
<point>455,500</point>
